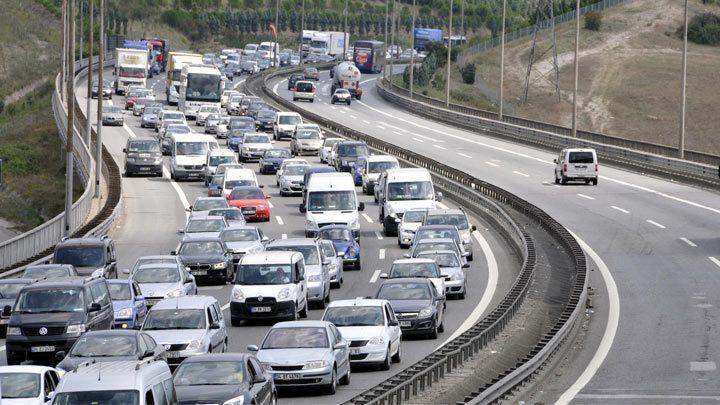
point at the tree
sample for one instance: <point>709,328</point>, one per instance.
<point>593,21</point>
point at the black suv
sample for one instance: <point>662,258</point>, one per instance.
<point>90,256</point>
<point>50,315</point>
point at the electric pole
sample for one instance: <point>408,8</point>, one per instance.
<point>345,30</point>
<point>70,117</point>
<point>681,141</point>
<point>449,51</point>
<point>387,11</point>
<point>412,52</point>
<point>63,79</point>
<point>276,59</point>
<point>302,29</point>
<point>575,83</point>
<point>88,107</point>
<point>462,18</point>
<point>502,62</point>
<point>81,29</point>
<point>98,128</point>
<point>392,42</point>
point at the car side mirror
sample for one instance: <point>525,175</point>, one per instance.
<point>215,325</point>
<point>124,150</point>
<point>473,228</point>
<point>407,255</point>
<point>393,323</point>
<point>181,231</point>
<point>340,254</point>
<point>383,275</point>
<point>148,353</point>
<point>94,307</point>
<point>555,161</point>
<point>7,310</point>
<point>361,206</point>
<point>339,346</point>
<point>466,266</point>
<point>252,348</point>
<point>50,395</point>
<point>139,298</point>
<point>59,356</point>
<point>189,208</point>
<point>438,196</point>
<point>189,280</point>
<point>258,379</point>
<point>173,252</point>
<point>303,209</point>
<point>326,262</point>
<point>125,271</point>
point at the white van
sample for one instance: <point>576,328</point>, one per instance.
<point>238,178</point>
<point>189,154</point>
<point>401,190</point>
<point>577,164</point>
<point>331,199</point>
<point>285,123</point>
<point>215,158</point>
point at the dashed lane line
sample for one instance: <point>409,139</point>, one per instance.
<point>623,210</point>
<point>418,140</point>
<point>464,155</point>
<point>492,164</point>
<point>367,218</point>
<point>651,222</point>
<point>375,276</point>
<point>439,147</point>
<point>381,254</point>
<point>378,235</point>
<point>688,242</point>
<point>521,173</point>
<point>714,260</point>
<point>587,197</point>
<point>279,220</point>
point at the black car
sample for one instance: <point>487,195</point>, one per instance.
<point>264,120</point>
<point>143,156</point>
<point>110,345</point>
<point>294,78</point>
<point>272,159</point>
<point>347,154</point>
<point>254,108</point>
<point>219,378</point>
<point>418,307</point>
<point>89,256</point>
<point>50,315</point>
<point>206,258</point>
<point>9,289</point>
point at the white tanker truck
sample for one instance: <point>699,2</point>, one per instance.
<point>346,76</point>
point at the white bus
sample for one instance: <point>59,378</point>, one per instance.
<point>201,85</point>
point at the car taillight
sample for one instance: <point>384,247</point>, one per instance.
<point>564,167</point>
<point>596,167</point>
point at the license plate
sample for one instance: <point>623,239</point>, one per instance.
<point>145,168</point>
<point>580,167</point>
<point>405,324</point>
<point>354,351</point>
<point>3,321</point>
<point>172,355</point>
<point>288,376</point>
<point>199,272</point>
<point>259,309</point>
<point>42,349</point>
<point>248,210</point>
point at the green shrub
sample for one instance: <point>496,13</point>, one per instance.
<point>468,73</point>
<point>704,29</point>
<point>593,20</point>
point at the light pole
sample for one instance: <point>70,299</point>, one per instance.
<point>88,106</point>
<point>449,50</point>
<point>302,29</point>
<point>502,62</point>
<point>345,30</point>
<point>70,117</point>
<point>98,128</point>
<point>681,141</point>
<point>412,52</point>
<point>387,11</point>
<point>81,28</point>
<point>276,61</point>
<point>63,78</point>
<point>462,17</point>
<point>392,42</point>
<point>575,83</point>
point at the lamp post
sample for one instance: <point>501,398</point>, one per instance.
<point>575,83</point>
<point>681,140</point>
<point>98,140</point>
<point>412,52</point>
<point>502,62</point>
<point>88,106</point>
<point>70,134</point>
<point>449,50</point>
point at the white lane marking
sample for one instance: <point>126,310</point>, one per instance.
<point>275,87</point>
<point>366,121</point>
<point>279,220</point>
<point>224,307</point>
<point>441,205</point>
<point>375,276</point>
<point>2,349</point>
<point>492,164</point>
<point>367,218</point>
<point>688,241</point>
<point>379,235</point>
<point>623,210</point>
<point>343,111</point>
<point>368,80</point>
<point>333,107</point>
<point>381,254</point>
<point>521,173</point>
<point>418,140</point>
<point>486,298</point>
<point>587,197</point>
<point>439,147</point>
<point>283,236</point>
<point>270,205</point>
<point>464,155</point>
<point>610,328</point>
<point>380,126</point>
<point>650,221</point>
<point>714,260</point>
<point>210,288</point>
<point>397,133</point>
<point>405,130</point>
<point>353,117</point>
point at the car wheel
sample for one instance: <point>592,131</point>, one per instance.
<point>234,322</point>
<point>345,380</point>
<point>303,312</point>
<point>348,102</point>
<point>327,298</point>
<point>332,388</point>
<point>273,399</point>
<point>386,363</point>
<point>434,333</point>
<point>461,295</point>
<point>595,181</point>
<point>563,180</point>
<point>470,258</point>
<point>225,346</point>
<point>396,357</point>
<point>358,265</point>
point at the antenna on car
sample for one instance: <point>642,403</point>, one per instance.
<point>99,371</point>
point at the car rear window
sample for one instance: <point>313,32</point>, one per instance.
<point>581,157</point>
<point>304,87</point>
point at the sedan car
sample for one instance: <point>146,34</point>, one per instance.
<point>452,269</point>
<point>110,345</point>
<point>411,221</point>
<point>272,159</point>
<point>311,73</point>
<point>418,268</point>
<point>224,378</point>
<point>149,118</point>
<point>232,215</point>
<point>202,205</point>
<point>433,244</point>
<point>112,116</point>
<point>143,156</point>
<point>252,201</point>
<point>292,178</point>
<point>204,226</point>
<point>341,96</point>
<point>217,124</point>
<point>206,258</point>
<point>327,148</point>
<point>49,271</point>
<point>254,146</point>
<point>332,261</point>
<point>152,260</point>
<point>264,120</point>
<point>345,244</point>
<point>417,306</point>
<point>203,113</point>
<point>306,141</point>
<point>28,384</point>
<point>107,89</point>
<point>128,303</point>
<point>160,281</point>
<point>371,328</point>
<point>243,239</point>
<point>305,354</point>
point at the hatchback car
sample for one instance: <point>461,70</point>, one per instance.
<point>292,180</point>
<point>411,221</point>
<point>418,268</point>
<point>304,90</point>
<point>444,231</point>
<point>272,159</point>
<point>345,244</point>
<point>243,239</point>
<point>459,219</point>
<point>128,303</point>
<point>306,141</point>
<point>160,281</point>
<point>110,345</point>
<point>327,148</point>
<point>341,96</point>
<point>149,118</point>
<point>143,156</point>
<point>28,384</point>
<point>206,258</point>
<point>417,306</point>
<point>452,269</point>
<point>112,116</point>
<point>311,73</point>
<point>264,120</point>
<point>232,215</point>
<point>332,261</point>
<point>49,271</point>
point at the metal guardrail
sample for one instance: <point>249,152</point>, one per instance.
<point>475,194</point>
<point>638,155</point>
<point>37,244</point>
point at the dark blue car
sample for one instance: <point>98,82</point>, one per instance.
<point>342,237</point>
<point>128,304</point>
<point>357,170</point>
<point>234,140</point>
<point>272,159</point>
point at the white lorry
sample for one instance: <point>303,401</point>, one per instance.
<point>131,68</point>
<point>177,61</point>
<point>307,36</point>
<point>329,43</point>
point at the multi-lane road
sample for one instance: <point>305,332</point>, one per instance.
<point>652,243</point>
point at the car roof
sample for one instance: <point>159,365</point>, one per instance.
<point>82,242</point>
<point>222,152</point>
<point>381,158</point>
<point>213,357</point>
<point>207,217</point>
<point>156,257</point>
<point>159,266</point>
<point>436,252</point>
<point>142,139</point>
<point>335,226</point>
<point>269,257</point>
<point>112,332</point>
<point>209,199</point>
<point>292,242</point>
<point>413,260</point>
<point>49,266</point>
<point>411,173</point>
<point>191,238</point>
<point>17,280</point>
<point>407,280</point>
<point>239,227</point>
<point>357,302</point>
<point>73,281</point>
<point>117,375</point>
<point>446,211</point>
<point>437,226</point>
<point>301,324</point>
<point>185,302</point>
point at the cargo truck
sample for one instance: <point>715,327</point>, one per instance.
<point>131,68</point>
<point>307,36</point>
<point>159,52</point>
<point>176,61</point>
<point>369,56</point>
<point>329,43</point>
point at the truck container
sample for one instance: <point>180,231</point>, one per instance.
<point>329,43</point>
<point>131,68</point>
<point>159,52</point>
<point>346,76</point>
<point>176,61</point>
<point>369,56</point>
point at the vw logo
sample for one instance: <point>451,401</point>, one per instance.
<point>167,347</point>
<point>43,331</point>
<point>260,298</point>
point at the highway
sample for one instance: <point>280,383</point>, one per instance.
<point>154,209</point>
<point>652,244</point>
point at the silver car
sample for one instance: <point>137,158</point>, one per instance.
<point>456,217</point>
<point>327,149</point>
<point>149,117</point>
<point>153,260</point>
<point>243,239</point>
<point>202,205</point>
<point>411,221</point>
<point>451,268</point>
<point>202,227</point>
<point>306,141</point>
<point>305,354</point>
<point>233,215</point>
<point>163,280</point>
<point>291,181</point>
<point>318,278</point>
<point>112,116</point>
<point>187,326</point>
<point>333,261</point>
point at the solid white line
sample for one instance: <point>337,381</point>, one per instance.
<point>379,235</point>
<point>492,164</point>
<point>380,126</point>
<point>283,236</point>
<point>375,276</point>
<point>353,117</point>
<point>689,242</point>
<point>585,196</point>
<point>492,282</point>
<point>439,147</point>
<point>610,328</point>
<point>521,173</point>
<point>624,211</point>
<point>464,155</point>
<point>333,107</point>
<point>366,121</point>
<point>275,87</point>
<point>226,306</point>
<point>418,140</point>
<point>279,220</point>
<point>368,80</point>
<point>649,221</point>
<point>343,111</point>
<point>714,260</point>
<point>381,254</point>
<point>367,218</point>
<point>2,349</point>
<point>441,205</point>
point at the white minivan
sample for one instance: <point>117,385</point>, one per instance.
<point>284,126</point>
<point>331,199</point>
<point>189,154</point>
<point>577,164</point>
<point>401,190</point>
<point>238,178</point>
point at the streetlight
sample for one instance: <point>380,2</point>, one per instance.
<point>449,50</point>
<point>681,141</point>
<point>88,127</point>
<point>412,52</point>
<point>70,134</point>
<point>575,83</point>
<point>502,62</point>
<point>98,140</point>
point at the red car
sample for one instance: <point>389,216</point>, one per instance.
<point>252,203</point>
<point>133,96</point>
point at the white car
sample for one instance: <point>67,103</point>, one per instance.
<point>304,90</point>
<point>577,165</point>
<point>28,385</point>
<point>203,113</point>
<point>420,268</point>
<point>373,166</point>
<point>327,149</point>
<point>254,146</point>
<point>286,163</point>
<point>371,328</point>
<point>411,221</point>
<point>226,95</point>
<point>285,123</point>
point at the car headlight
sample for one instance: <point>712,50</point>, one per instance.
<point>377,340</point>
<point>355,224</point>
<point>98,272</point>
<point>315,364</point>
<point>195,344</point>
<point>426,312</point>
<point>284,294</point>
<point>76,328</point>
<point>219,266</point>
<point>157,161</point>
<point>238,295</point>
<point>456,277</point>
<point>131,160</point>
<point>309,224</point>
<point>351,252</point>
<point>124,313</point>
<point>235,401</point>
<point>314,277</point>
<point>173,293</point>
<point>13,331</point>
<point>466,238</point>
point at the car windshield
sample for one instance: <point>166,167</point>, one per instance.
<point>289,120</point>
<point>232,214</point>
<point>236,99</point>
<point>209,373</point>
<point>204,225</point>
<point>309,252</point>
<point>295,170</point>
<point>262,274</point>
<point>247,194</point>
<point>352,150</point>
<point>436,234</point>
<point>112,110</point>
<point>459,220</point>
<point>410,190</point>
<point>331,201</point>
<point>50,300</point>
<point>201,248</point>
<point>242,125</point>
<point>178,129</point>
<point>342,91</point>
<point>404,291</point>
<point>144,260</point>
<point>143,147</point>
<point>414,216</point>
<point>442,259</point>
<point>296,338</point>
<point>206,205</point>
<point>581,157</point>
<point>330,142</point>
<point>173,116</point>
<point>424,247</point>
<point>209,108</point>
<point>414,270</point>
<point>355,316</point>
<point>151,111</point>
<point>256,139</point>
<point>119,292</point>
<point>307,134</point>
<point>81,256</point>
<point>239,183</point>
<point>125,397</point>
<point>327,248</point>
<point>335,234</point>
<point>10,290</point>
<point>160,319</point>
<point>49,272</point>
<point>217,160</point>
<point>379,167</point>
<point>191,148</point>
<point>239,235</point>
<point>275,153</point>
<point>104,346</point>
<point>19,385</point>
<point>266,115</point>
<point>156,275</point>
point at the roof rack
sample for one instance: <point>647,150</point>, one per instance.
<point>144,362</point>
<point>104,237</point>
<point>87,363</point>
